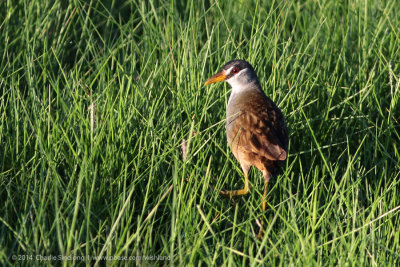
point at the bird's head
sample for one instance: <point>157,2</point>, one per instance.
<point>238,73</point>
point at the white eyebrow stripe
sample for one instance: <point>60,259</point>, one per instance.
<point>228,71</point>
<point>241,71</point>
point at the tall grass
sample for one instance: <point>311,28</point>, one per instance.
<point>98,96</point>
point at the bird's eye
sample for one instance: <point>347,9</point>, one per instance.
<point>235,70</point>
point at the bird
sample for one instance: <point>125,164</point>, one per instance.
<point>255,127</point>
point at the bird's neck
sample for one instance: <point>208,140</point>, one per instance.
<point>240,94</point>
<point>240,88</point>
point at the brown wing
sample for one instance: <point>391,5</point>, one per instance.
<point>259,129</point>
<point>263,138</point>
<point>256,135</point>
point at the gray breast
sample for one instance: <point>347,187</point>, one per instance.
<point>232,109</point>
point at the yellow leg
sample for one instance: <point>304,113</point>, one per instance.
<point>264,199</point>
<point>239,192</point>
<point>263,206</point>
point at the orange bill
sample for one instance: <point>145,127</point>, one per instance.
<point>220,76</point>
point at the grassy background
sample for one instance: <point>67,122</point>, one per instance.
<point>123,188</point>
